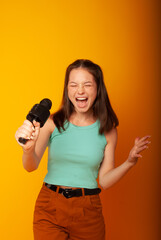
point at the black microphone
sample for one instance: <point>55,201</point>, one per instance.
<point>40,113</point>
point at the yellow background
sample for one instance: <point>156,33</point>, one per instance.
<point>39,39</point>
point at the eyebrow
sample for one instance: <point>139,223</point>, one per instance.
<point>72,82</point>
<point>84,82</point>
<point>88,82</point>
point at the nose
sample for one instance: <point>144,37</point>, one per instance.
<point>80,89</point>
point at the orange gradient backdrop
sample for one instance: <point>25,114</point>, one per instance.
<point>39,39</point>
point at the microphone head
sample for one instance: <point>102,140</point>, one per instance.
<point>40,112</point>
<point>46,103</point>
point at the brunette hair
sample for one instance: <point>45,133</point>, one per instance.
<point>102,108</point>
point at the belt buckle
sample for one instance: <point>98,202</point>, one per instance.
<point>68,192</point>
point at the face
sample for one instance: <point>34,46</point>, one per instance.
<point>82,90</point>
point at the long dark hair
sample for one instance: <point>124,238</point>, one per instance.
<point>102,108</point>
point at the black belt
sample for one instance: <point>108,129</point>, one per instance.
<point>69,192</point>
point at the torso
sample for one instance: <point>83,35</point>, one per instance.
<point>76,122</point>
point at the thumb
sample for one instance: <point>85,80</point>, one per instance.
<point>36,124</point>
<point>37,127</point>
<point>137,139</point>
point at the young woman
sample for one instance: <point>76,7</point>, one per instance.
<point>81,138</point>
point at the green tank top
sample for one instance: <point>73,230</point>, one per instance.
<point>74,155</point>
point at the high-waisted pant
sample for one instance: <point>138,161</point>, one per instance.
<point>59,218</point>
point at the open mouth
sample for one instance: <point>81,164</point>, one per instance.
<point>81,101</point>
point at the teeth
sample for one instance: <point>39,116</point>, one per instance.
<point>81,98</point>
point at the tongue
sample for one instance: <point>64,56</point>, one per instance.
<point>81,103</point>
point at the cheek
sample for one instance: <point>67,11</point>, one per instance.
<point>71,93</point>
<point>93,94</point>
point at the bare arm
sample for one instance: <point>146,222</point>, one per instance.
<point>108,174</point>
<point>35,147</point>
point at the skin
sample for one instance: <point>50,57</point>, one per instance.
<point>81,84</point>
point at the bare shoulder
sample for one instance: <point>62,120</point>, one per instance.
<point>111,136</point>
<point>49,125</point>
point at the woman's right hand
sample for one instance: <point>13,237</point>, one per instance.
<point>28,131</point>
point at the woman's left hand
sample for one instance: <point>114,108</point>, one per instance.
<point>139,146</point>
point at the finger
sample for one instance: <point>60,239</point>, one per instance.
<point>33,134</point>
<point>137,140</point>
<point>141,149</point>
<point>36,124</point>
<point>24,131</point>
<point>27,123</point>
<point>138,155</point>
<point>22,135</point>
<point>27,128</point>
<point>144,138</point>
<point>37,129</point>
<point>28,132</point>
<point>142,143</point>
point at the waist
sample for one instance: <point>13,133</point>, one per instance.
<point>64,187</point>
<point>72,192</point>
<point>67,179</point>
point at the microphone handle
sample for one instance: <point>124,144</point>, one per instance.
<point>22,140</point>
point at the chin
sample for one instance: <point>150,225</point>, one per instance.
<point>83,110</point>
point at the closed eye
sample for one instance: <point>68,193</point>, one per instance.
<point>72,85</point>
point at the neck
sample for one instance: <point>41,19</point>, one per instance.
<point>84,118</point>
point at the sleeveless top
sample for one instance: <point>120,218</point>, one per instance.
<point>75,155</point>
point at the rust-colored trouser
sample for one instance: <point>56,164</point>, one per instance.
<point>59,218</point>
